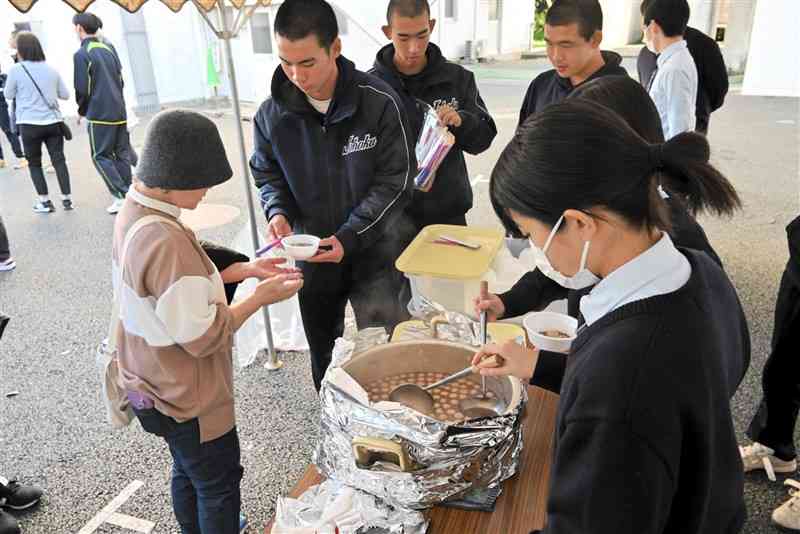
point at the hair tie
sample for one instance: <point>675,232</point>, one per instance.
<point>657,155</point>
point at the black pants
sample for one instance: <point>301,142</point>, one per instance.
<point>32,138</point>
<point>5,249</point>
<point>111,153</point>
<point>5,125</point>
<point>774,422</point>
<point>372,285</point>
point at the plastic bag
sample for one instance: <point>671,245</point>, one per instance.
<point>433,145</point>
<point>287,325</point>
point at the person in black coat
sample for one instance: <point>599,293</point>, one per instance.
<point>416,69</point>
<point>334,157</point>
<point>573,31</point>
<point>644,440</point>
<point>772,427</point>
<point>627,98</point>
<point>712,74</point>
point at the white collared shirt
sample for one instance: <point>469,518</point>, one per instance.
<point>659,270</point>
<point>152,203</point>
<point>674,90</point>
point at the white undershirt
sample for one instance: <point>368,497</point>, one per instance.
<point>320,105</point>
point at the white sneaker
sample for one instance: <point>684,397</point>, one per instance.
<point>787,515</point>
<point>8,265</point>
<point>114,208</point>
<point>758,456</point>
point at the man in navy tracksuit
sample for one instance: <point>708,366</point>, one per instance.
<point>416,69</point>
<point>99,92</point>
<point>334,157</point>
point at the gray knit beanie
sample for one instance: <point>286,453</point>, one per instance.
<point>183,150</point>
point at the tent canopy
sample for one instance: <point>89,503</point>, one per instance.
<point>134,5</point>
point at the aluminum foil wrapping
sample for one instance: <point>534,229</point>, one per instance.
<point>330,506</point>
<point>448,459</point>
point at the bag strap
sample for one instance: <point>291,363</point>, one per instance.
<point>138,225</point>
<point>52,107</point>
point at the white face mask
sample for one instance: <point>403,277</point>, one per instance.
<point>582,279</point>
<point>648,42</point>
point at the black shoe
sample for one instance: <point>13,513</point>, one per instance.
<point>19,497</point>
<point>67,203</point>
<point>8,524</point>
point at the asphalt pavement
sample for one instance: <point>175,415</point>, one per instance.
<point>53,432</point>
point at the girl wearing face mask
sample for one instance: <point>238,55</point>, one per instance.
<point>644,441</point>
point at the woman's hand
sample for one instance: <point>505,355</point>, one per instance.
<point>261,268</point>
<point>519,361</point>
<point>492,305</point>
<point>264,268</point>
<point>277,288</point>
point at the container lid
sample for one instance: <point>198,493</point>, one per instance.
<point>425,257</point>
<point>498,332</point>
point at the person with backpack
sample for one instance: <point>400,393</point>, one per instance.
<point>36,88</point>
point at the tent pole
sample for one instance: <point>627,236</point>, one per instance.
<point>273,363</point>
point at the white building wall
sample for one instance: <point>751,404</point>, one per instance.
<point>516,24</point>
<point>772,65</point>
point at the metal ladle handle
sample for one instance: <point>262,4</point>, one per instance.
<point>497,362</point>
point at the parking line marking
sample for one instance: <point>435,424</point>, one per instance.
<point>110,509</point>
<point>479,179</point>
<point>131,523</point>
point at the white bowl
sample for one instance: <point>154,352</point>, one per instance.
<point>301,246</point>
<point>539,322</point>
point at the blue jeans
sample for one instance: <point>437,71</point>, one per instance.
<point>206,477</point>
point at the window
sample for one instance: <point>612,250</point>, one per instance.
<point>450,9</point>
<point>494,10</point>
<point>261,34</point>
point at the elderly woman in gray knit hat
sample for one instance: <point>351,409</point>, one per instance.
<point>175,337</point>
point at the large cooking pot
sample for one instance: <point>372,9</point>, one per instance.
<point>405,457</point>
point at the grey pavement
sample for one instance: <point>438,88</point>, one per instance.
<point>54,434</point>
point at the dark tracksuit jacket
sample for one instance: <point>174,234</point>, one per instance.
<point>442,82</point>
<point>774,423</point>
<point>644,440</point>
<point>712,74</point>
<point>549,88</point>
<point>348,173</point>
<point>99,91</point>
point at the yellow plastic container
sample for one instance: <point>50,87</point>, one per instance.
<point>450,275</point>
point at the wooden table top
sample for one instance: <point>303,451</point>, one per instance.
<point>522,505</point>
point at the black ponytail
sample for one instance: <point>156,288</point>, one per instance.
<point>581,155</point>
<point>703,187</point>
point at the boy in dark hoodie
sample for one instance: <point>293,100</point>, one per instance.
<point>573,31</point>
<point>417,71</point>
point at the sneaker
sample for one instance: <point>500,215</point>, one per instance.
<point>18,496</point>
<point>758,456</point>
<point>242,523</point>
<point>50,169</point>
<point>8,523</point>
<point>44,206</point>
<point>67,203</point>
<point>8,265</point>
<point>21,163</point>
<point>114,208</point>
<point>787,515</point>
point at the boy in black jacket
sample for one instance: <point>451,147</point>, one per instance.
<point>573,31</point>
<point>416,69</point>
<point>334,157</point>
<point>99,93</point>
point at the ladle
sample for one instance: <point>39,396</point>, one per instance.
<point>420,399</point>
<point>483,406</point>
